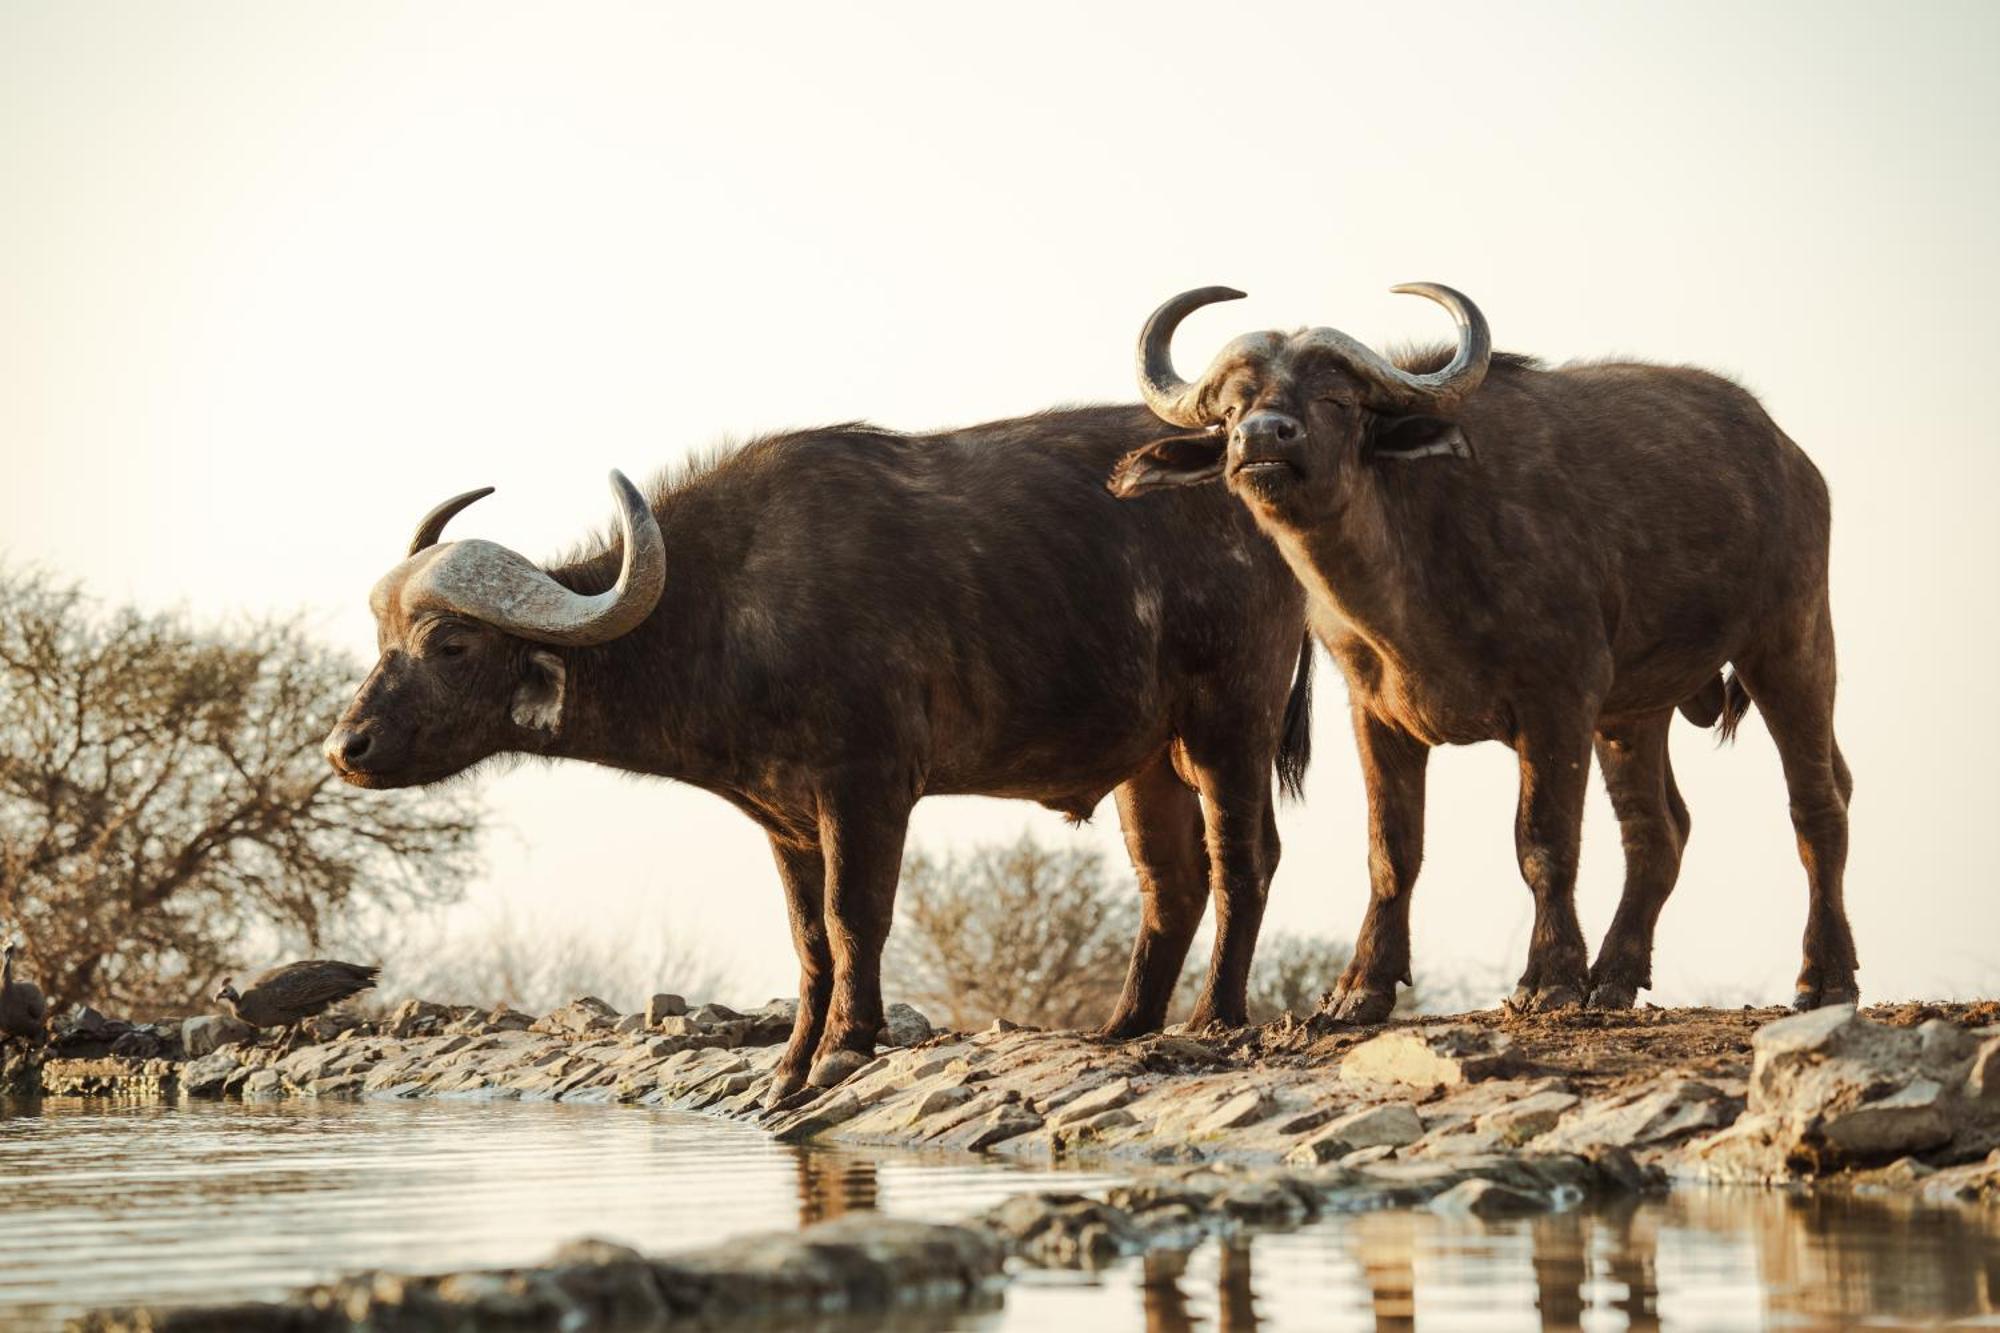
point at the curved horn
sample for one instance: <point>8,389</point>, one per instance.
<point>432,527</point>
<point>1439,390</point>
<point>486,581</point>
<point>1171,397</point>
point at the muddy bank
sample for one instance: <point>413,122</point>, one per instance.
<point>1897,1097</point>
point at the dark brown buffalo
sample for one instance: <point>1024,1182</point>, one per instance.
<point>824,627</point>
<point>1551,558</point>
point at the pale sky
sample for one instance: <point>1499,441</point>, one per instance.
<point>278,277</point>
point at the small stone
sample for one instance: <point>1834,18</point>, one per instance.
<point>628,1024</point>
<point>715,1013</point>
<point>1393,1124</point>
<point>209,1032</point>
<point>1381,1152</point>
<point>1487,1198</point>
<point>1004,1025</point>
<point>1982,1081</point>
<point>903,1026</point>
<point>263,1081</point>
<point>1426,1058</point>
<point>664,1006</point>
<point>1245,1108</point>
<point>833,1068</point>
<point>1006,1122</point>
<point>941,1099</point>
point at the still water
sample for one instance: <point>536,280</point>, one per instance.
<point>223,1201</point>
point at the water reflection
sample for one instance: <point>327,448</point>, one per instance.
<point>109,1205</point>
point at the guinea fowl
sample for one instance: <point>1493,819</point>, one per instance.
<point>23,1011</point>
<point>287,996</point>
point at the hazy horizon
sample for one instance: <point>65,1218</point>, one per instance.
<point>282,277</point>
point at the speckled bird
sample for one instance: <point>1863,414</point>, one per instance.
<point>287,996</point>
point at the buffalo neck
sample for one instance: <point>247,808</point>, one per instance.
<point>645,702</point>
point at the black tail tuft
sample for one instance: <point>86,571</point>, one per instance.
<point>1735,703</point>
<point>1295,744</point>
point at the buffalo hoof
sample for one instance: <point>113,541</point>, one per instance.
<point>1362,1005</point>
<point>1126,1029</point>
<point>784,1084</point>
<point>1543,999</point>
<point>833,1068</point>
<point>1612,995</point>
<point>1819,997</point>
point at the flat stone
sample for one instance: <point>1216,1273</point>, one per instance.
<point>1658,1114</point>
<point>1517,1122</point>
<point>1425,1058</point>
<point>1101,1098</point>
<point>1005,1122</point>
<point>1911,1119</point>
<point>206,1076</point>
<point>1487,1198</point>
<point>715,1013</point>
<point>1244,1108</point>
<point>664,1006</point>
<point>1394,1124</point>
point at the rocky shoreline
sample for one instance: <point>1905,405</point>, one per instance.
<point>1266,1128</point>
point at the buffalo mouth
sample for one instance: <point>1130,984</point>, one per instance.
<point>1266,474</point>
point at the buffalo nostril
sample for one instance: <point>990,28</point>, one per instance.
<point>354,746</point>
<point>1287,430</point>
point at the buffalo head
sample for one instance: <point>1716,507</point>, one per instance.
<point>471,637</point>
<point>1282,417</point>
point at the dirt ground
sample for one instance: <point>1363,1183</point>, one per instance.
<point>1592,1049</point>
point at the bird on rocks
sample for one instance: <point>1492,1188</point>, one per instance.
<point>23,1011</point>
<point>287,996</point>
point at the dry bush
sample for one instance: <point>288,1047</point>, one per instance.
<point>1040,935</point>
<point>536,965</point>
<point>165,810</point>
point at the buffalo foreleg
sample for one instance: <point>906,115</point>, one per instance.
<point>1393,766</point>
<point>1653,823</point>
<point>861,835</point>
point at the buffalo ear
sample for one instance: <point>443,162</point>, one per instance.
<point>538,699</point>
<point>1406,438</point>
<point>1178,460</point>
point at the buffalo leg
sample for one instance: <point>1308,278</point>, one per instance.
<point>1393,767</point>
<point>802,872</point>
<point>1792,685</point>
<point>1162,820</point>
<point>1242,856</point>
<point>1653,822</point>
<point>1548,837</point>
<point>862,839</point>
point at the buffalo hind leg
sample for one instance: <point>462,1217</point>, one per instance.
<point>1653,822</point>
<point>1548,836</point>
<point>1242,856</point>
<point>861,835</point>
<point>1393,767</point>
<point>802,872</point>
<point>1792,684</point>
<point>1163,831</point>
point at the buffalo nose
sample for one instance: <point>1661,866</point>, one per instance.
<point>346,747</point>
<point>1269,428</point>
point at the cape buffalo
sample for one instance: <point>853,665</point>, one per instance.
<point>1552,558</point>
<point>823,627</point>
